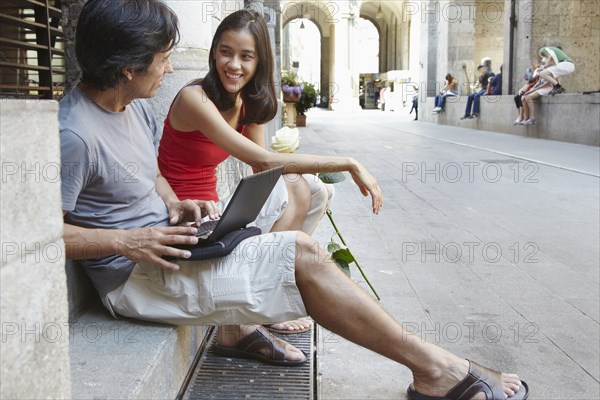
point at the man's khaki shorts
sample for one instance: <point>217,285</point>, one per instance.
<point>254,284</point>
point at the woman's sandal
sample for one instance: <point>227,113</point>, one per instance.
<point>250,347</point>
<point>479,379</point>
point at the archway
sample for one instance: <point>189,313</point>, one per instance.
<point>367,40</point>
<point>313,15</point>
<point>303,52</point>
<point>367,62</point>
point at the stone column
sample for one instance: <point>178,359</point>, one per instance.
<point>33,284</point>
<point>460,59</point>
<point>341,96</point>
<point>404,45</point>
<point>71,10</point>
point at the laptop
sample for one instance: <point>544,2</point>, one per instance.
<point>243,208</point>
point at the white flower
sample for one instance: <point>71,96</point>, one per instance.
<point>286,140</point>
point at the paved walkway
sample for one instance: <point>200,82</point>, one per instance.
<point>488,245</point>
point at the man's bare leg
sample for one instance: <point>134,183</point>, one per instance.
<point>338,304</point>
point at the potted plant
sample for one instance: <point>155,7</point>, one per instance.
<point>307,100</point>
<point>290,86</point>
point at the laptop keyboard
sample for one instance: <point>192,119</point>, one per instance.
<point>207,227</point>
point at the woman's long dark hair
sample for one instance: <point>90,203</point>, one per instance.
<point>258,95</point>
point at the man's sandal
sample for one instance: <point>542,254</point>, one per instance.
<point>250,347</point>
<point>479,379</point>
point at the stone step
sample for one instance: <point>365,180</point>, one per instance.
<point>129,359</point>
<point>81,293</point>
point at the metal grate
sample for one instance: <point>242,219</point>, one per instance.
<point>233,378</point>
<point>32,56</point>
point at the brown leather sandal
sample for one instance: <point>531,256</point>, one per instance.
<point>479,379</point>
<point>250,347</point>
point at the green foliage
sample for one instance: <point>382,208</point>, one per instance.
<point>343,265</point>
<point>341,254</point>
<point>307,99</point>
<point>332,177</point>
<point>344,255</point>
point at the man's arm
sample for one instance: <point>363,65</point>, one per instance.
<point>142,244</point>
<point>82,243</point>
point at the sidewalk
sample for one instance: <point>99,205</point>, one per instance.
<point>488,245</point>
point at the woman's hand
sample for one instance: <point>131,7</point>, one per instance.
<point>368,185</point>
<point>192,211</point>
<point>151,244</point>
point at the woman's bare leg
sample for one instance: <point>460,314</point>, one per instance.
<point>321,196</point>
<point>298,204</point>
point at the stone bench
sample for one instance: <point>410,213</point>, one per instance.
<point>123,358</point>
<point>126,358</point>
<point>568,117</point>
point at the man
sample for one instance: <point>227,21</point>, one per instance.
<point>118,212</point>
<point>485,71</point>
<point>495,83</point>
<point>556,64</point>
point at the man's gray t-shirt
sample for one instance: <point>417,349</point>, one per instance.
<point>108,176</point>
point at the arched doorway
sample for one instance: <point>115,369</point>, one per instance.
<point>367,62</point>
<point>302,54</point>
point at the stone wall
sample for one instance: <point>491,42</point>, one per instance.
<point>489,34</point>
<point>33,309</point>
<point>569,117</point>
<point>575,26</point>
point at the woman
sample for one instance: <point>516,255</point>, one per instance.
<point>451,89</point>
<point>238,92</point>
<point>223,114</point>
<point>529,98</point>
<point>531,80</point>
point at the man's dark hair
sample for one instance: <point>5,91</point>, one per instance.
<point>258,95</point>
<point>116,34</point>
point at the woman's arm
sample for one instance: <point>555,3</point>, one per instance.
<point>192,110</point>
<point>452,85</point>
<point>256,133</point>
